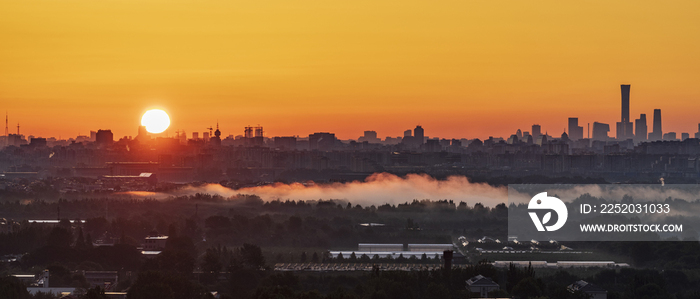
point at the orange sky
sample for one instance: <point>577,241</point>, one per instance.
<point>464,68</point>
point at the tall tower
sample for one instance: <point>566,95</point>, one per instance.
<point>656,133</point>
<point>625,88</point>
<point>536,131</point>
<point>216,140</point>
<point>640,128</point>
<point>419,134</point>
<point>575,131</point>
<point>625,127</point>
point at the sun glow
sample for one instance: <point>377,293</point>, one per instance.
<point>155,120</point>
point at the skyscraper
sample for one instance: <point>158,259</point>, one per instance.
<point>419,134</point>
<point>536,131</point>
<point>697,135</point>
<point>656,133</point>
<point>600,131</point>
<point>575,131</point>
<point>640,128</point>
<point>625,88</point>
<point>625,127</point>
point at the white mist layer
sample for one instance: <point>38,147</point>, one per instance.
<point>377,189</point>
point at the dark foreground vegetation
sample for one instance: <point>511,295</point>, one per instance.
<point>210,249</point>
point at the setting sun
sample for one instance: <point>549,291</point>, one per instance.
<point>155,120</point>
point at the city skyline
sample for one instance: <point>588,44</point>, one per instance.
<point>339,67</point>
<point>630,128</point>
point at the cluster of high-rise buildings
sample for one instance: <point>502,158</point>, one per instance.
<point>625,128</point>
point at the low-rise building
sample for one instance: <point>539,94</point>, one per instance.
<point>481,285</point>
<point>45,287</point>
<point>593,291</point>
<point>104,279</point>
<point>430,247</point>
<point>154,242</point>
<point>369,247</point>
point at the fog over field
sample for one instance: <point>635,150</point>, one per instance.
<point>377,189</point>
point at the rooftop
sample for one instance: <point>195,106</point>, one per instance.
<point>481,280</point>
<point>585,287</point>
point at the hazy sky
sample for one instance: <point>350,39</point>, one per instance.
<point>466,68</point>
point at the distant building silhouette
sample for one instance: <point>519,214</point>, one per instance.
<point>513,139</point>
<point>415,141</point>
<point>37,142</point>
<point>369,136</point>
<point>685,136</point>
<point>640,128</point>
<point>670,136</point>
<point>104,137</point>
<point>657,132</point>
<point>142,134</point>
<point>408,133</point>
<point>433,145</point>
<point>183,137</point>
<point>216,140</point>
<point>625,90</point>
<point>536,131</point>
<point>248,132</point>
<point>625,127</point>
<point>288,143</point>
<point>419,134</point>
<point>15,139</point>
<point>600,131</point>
<point>697,135</point>
<point>575,131</point>
<point>322,141</point>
